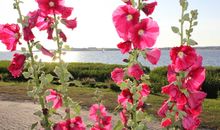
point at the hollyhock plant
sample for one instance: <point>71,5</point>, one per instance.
<point>144,34</point>
<point>135,71</point>
<point>124,47</point>
<point>54,7</point>
<point>153,55</point>
<point>125,97</point>
<point>98,114</point>
<point>10,35</point>
<point>97,110</point>
<point>56,98</point>
<point>183,57</point>
<point>71,124</point>
<point>185,75</point>
<point>148,8</point>
<point>124,18</point>
<point>117,75</point>
<point>17,65</point>
<point>139,36</point>
<point>71,24</point>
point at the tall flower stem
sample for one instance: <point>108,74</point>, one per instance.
<point>61,65</point>
<point>33,62</point>
<point>181,26</point>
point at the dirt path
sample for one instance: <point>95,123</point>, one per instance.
<point>19,116</point>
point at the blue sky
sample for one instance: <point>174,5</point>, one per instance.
<point>95,27</point>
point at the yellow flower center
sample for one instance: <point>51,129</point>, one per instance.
<point>129,17</point>
<point>16,36</point>
<point>180,54</point>
<point>141,32</point>
<point>71,125</point>
<point>51,4</point>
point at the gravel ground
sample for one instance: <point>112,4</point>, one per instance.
<point>19,116</point>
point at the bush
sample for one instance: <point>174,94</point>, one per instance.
<point>212,83</point>
<point>158,78</point>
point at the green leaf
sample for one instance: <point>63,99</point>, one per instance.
<point>140,115</point>
<point>34,125</point>
<point>38,113</point>
<point>49,78</point>
<point>192,42</point>
<point>118,126</point>
<point>186,17</point>
<point>175,29</point>
<point>195,23</point>
<point>26,75</point>
<point>123,85</point>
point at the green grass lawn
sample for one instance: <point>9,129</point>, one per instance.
<point>17,92</point>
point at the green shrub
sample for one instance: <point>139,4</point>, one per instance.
<point>212,83</point>
<point>158,78</point>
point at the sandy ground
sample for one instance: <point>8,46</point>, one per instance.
<point>19,116</point>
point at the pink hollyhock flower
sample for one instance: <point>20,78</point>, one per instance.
<point>70,23</point>
<point>56,98</point>
<point>17,65</point>
<point>104,124</point>
<point>72,124</point>
<point>44,22</point>
<point>46,52</point>
<point>153,55</point>
<point>190,123</point>
<point>183,57</point>
<point>194,79</point>
<point>196,98</point>
<point>117,75</point>
<point>197,64</point>
<point>148,8</point>
<point>63,36</point>
<point>145,91</point>
<point>97,111</point>
<point>135,71</point>
<point>33,18</point>
<point>181,101</point>
<point>124,97</point>
<point>28,34</point>
<point>9,35</point>
<point>124,46</point>
<point>123,116</point>
<point>163,109</point>
<point>144,34</point>
<point>172,90</point>
<point>54,7</point>
<point>50,33</point>
<point>124,18</point>
<point>171,74</point>
<point>166,123</point>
